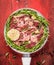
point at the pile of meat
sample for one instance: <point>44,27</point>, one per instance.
<point>29,30</point>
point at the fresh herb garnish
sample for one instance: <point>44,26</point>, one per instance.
<point>25,43</point>
<point>33,33</point>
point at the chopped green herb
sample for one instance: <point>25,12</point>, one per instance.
<point>26,42</point>
<point>33,33</point>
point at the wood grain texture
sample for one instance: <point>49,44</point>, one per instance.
<point>46,7</point>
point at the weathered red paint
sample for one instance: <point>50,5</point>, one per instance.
<point>47,9</point>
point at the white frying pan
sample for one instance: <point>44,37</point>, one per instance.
<point>26,59</point>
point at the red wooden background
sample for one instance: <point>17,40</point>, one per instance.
<point>46,55</point>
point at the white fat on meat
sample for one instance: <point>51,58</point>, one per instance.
<point>25,37</point>
<point>15,19</point>
<point>34,38</point>
<point>30,23</point>
<point>26,18</point>
<point>20,24</point>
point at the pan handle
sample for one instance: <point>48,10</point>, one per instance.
<point>26,59</point>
